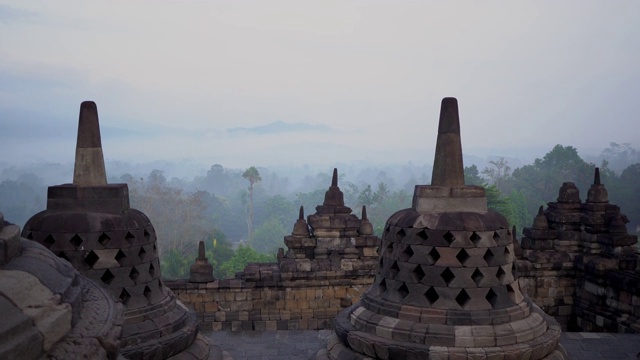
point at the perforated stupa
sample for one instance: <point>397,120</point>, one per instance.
<point>446,284</point>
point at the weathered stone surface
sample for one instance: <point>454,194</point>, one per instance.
<point>446,277</point>
<point>91,224</point>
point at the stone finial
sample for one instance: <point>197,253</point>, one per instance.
<point>568,193</point>
<point>366,228</point>
<point>201,271</point>
<point>89,167</point>
<point>540,221</point>
<point>300,228</point>
<point>334,178</point>
<point>333,196</point>
<point>448,169</point>
<point>597,192</point>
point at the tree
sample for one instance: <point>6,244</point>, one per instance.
<point>366,196</point>
<point>540,181</point>
<point>498,172</point>
<point>253,176</point>
<point>269,236</point>
<point>241,257</point>
<point>472,176</point>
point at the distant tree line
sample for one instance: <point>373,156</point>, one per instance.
<point>243,215</point>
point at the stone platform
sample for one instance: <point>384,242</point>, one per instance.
<point>304,344</point>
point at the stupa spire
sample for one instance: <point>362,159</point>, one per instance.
<point>89,169</point>
<point>447,165</point>
<point>334,178</point>
<point>596,177</point>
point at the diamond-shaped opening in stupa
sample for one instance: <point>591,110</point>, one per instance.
<point>130,237</point>
<point>382,287</point>
<point>449,238</point>
<point>475,238</point>
<point>463,298</point>
<point>104,239</point>
<point>76,241</point>
<point>434,255</point>
<point>448,276</point>
<point>133,274</point>
<point>418,273</point>
<point>422,235</point>
<point>488,257</point>
<point>408,252</point>
<point>152,270</point>
<point>462,256</point>
<point>61,254</point>
<point>124,296</point>
<point>146,235</point>
<point>91,258</point>
<point>507,252</point>
<point>496,236</point>
<point>492,298</point>
<point>500,274</point>
<point>381,262</point>
<point>395,268</point>
<point>107,277</point>
<point>30,235</point>
<point>477,276</point>
<point>142,253</point>
<point>146,292</point>
<point>403,290</point>
<point>120,256</point>
<point>431,295</point>
<point>400,235</point>
<point>390,247</point>
<point>49,241</point>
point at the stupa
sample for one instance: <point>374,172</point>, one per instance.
<point>90,224</point>
<point>446,285</point>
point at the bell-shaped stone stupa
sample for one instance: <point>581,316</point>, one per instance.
<point>446,284</point>
<point>90,224</point>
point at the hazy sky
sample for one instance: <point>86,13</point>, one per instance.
<point>171,78</point>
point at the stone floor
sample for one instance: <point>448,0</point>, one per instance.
<point>304,344</point>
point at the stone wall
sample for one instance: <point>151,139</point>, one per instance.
<point>579,263</point>
<point>235,304</point>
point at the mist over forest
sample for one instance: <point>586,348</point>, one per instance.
<point>244,213</point>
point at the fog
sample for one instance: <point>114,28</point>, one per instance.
<point>289,83</point>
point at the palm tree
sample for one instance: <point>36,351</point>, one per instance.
<point>253,176</point>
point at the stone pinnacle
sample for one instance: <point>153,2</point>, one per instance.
<point>596,177</point>
<point>89,167</point>
<point>201,254</point>
<point>334,179</point>
<point>301,213</point>
<point>447,165</point>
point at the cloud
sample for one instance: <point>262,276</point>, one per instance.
<point>278,127</point>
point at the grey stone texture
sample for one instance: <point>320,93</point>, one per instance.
<point>446,284</point>
<point>89,167</point>
<point>49,310</point>
<point>579,263</point>
<point>201,271</point>
<point>90,224</point>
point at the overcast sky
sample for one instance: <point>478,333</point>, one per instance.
<point>202,81</point>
